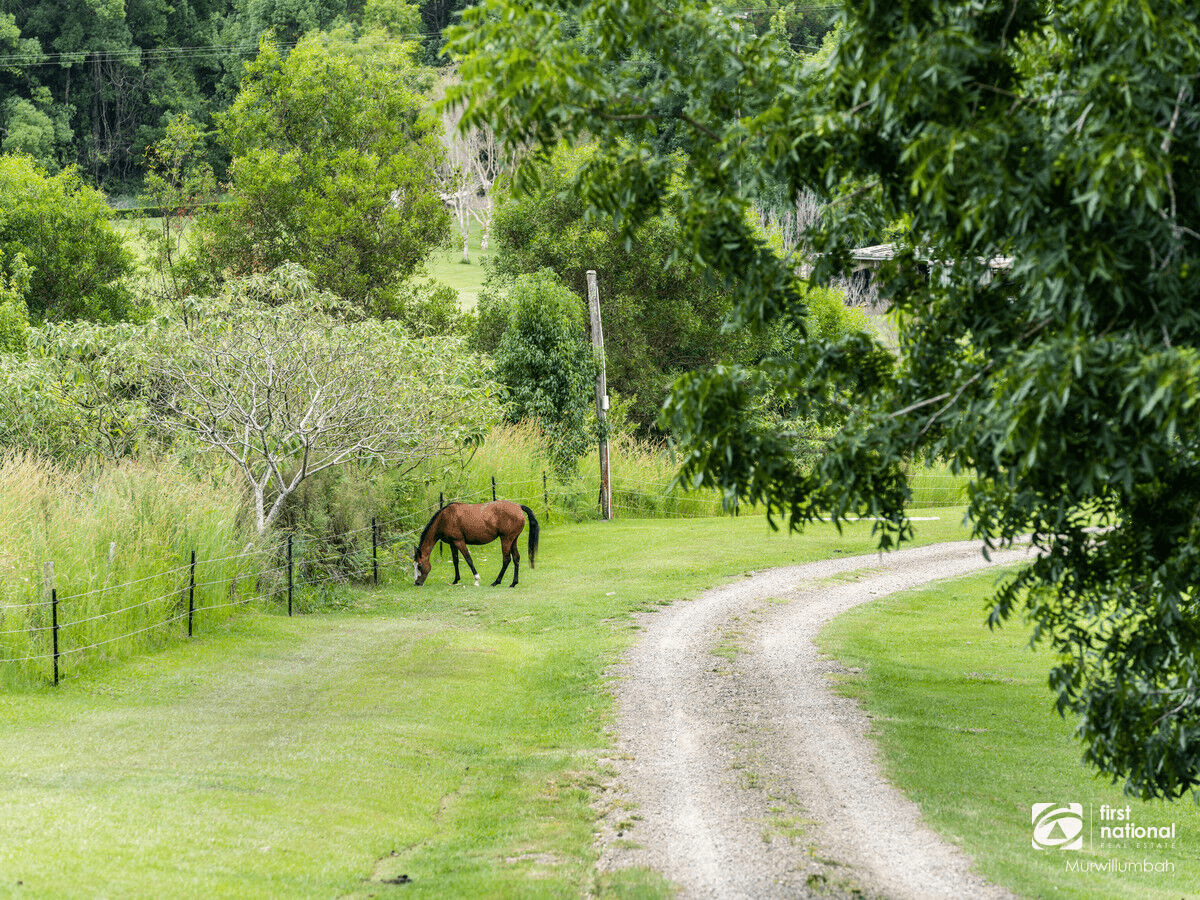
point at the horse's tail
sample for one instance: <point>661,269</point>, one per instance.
<point>534,531</point>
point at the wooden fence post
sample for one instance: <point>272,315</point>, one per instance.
<point>606,511</point>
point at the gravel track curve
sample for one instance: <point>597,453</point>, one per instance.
<point>740,774</point>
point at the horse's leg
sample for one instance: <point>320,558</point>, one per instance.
<point>516,555</point>
<point>454,556</point>
<point>506,547</point>
<point>462,548</point>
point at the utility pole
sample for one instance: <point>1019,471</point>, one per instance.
<point>601,396</point>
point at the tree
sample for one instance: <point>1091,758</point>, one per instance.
<point>59,226</point>
<point>662,317</point>
<point>287,390</point>
<point>474,161</point>
<point>544,360</point>
<point>178,177</point>
<point>1040,161</point>
<point>333,168</point>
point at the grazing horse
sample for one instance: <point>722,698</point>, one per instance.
<point>460,524</point>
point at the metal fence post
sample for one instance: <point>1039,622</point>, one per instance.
<point>493,488</point>
<point>54,628</point>
<point>192,593</point>
<point>374,551</point>
<point>289,574</point>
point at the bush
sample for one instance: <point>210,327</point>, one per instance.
<point>545,363</point>
<point>60,226</point>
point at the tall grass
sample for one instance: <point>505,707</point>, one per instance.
<point>115,542</point>
<point>518,457</point>
<point>643,480</point>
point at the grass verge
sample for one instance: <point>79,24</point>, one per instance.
<point>434,742</point>
<point>968,730</point>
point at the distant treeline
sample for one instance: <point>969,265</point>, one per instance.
<point>93,83</point>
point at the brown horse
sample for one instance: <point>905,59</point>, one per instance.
<point>460,524</point>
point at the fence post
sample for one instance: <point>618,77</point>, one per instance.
<point>289,574</point>
<point>374,551</point>
<point>191,593</point>
<point>54,628</point>
<point>546,496</point>
<point>493,488</point>
<point>606,510</point>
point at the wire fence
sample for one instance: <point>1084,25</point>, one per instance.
<point>78,625</point>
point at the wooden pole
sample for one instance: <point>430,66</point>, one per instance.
<point>601,395</point>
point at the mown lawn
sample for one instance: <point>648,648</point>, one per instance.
<point>432,742</point>
<point>967,727</point>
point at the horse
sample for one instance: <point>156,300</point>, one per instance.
<point>460,524</point>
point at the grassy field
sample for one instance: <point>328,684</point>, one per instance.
<point>968,730</point>
<point>432,742</point>
<point>445,264</point>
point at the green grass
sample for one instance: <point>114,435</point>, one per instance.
<point>448,735</point>
<point>967,727</point>
<point>118,537</point>
<point>445,264</point>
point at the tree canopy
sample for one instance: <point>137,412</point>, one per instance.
<point>55,229</point>
<point>1036,163</point>
<point>662,316</point>
<point>334,159</point>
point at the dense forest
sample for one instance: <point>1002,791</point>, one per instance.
<point>95,83</point>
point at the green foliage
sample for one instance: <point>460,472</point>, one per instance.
<point>29,131</point>
<point>427,308</point>
<point>493,310</point>
<point>544,361</point>
<point>60,226</point>
<point>1057,139</point>
<point>178,176</point>
<point>661,316</point>
<point>14,313</point>
<point>333,169</point>
<point>78,394</point>
<point>91,85</point>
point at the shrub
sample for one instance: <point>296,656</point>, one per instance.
<point>60,226</point>
<point>545,363</point>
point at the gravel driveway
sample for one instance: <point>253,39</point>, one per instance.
<point>741,775</point>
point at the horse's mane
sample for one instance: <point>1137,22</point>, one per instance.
<point>425,533</point>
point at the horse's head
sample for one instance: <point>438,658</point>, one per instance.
<point>421,567</point>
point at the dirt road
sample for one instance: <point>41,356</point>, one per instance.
<point>741,775</point>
